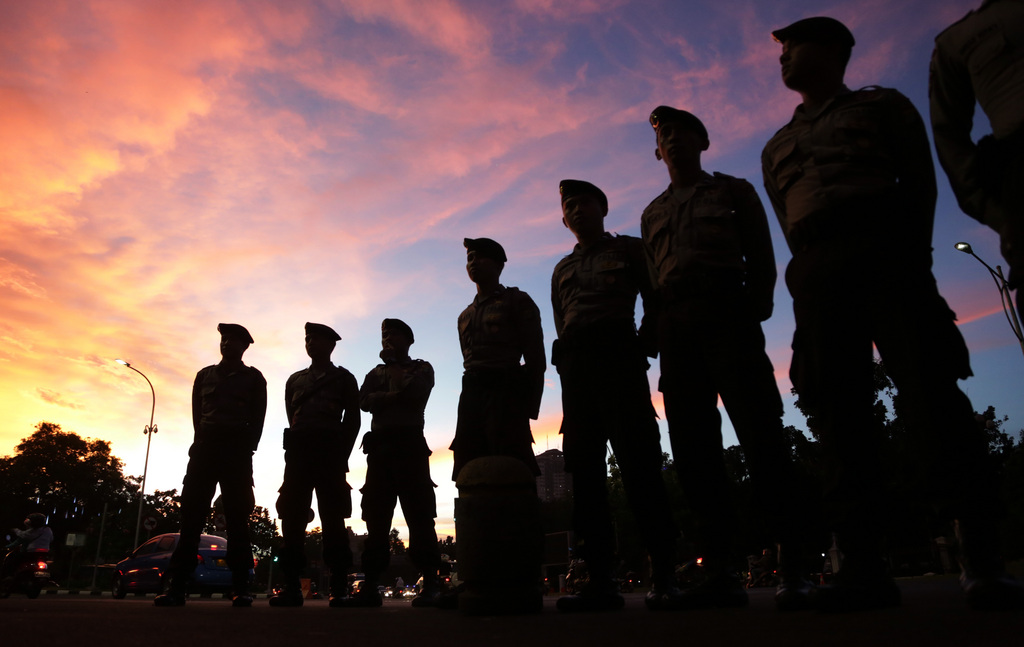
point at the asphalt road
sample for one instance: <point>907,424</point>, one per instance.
<point>933,613</point>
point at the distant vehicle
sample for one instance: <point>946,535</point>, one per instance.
<point>30,574</point>
<point>143,570</point>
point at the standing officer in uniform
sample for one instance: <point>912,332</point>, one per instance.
<point>852,183</point>
<point>606,397</point>
<point>229,403</point>
<point>711,255</point>
<point>981,58</point>
<point>499,395</point>
<point>322,404</point>
<point>398,465</point>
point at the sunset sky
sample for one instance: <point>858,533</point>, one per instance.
<point>165,166</point>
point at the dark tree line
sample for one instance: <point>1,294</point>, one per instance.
<point>73,480</point>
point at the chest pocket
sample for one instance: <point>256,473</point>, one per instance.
<point>714,222</point>
<point>611,270</point>
<point>858,152</point>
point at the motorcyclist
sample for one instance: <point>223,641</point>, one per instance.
<point>32,541</point>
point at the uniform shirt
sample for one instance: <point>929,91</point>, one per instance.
<point>863,155</point>
<point>397,399</point>
<point>331,402</point>
<point>499,328</point>
<point>599,284</point>
<point>978,59</point>
<point>712,233</point>
<point>225,399</point>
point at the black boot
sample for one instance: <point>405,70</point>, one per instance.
<point>863,581</point>
<point>366,596</point>
<point>983,576</point>
<point>430,594</point>
<point>290,594</point>
<point>240,595</point>
<point>174,591</point>
<point>339,590</point>
<point>794,592</point>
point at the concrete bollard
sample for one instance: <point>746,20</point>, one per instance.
<point>500,540</point>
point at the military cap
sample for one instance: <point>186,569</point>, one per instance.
<point>320,330</point>
<point>571,188</point>
<point>486,248</point>
<point>819,29</point>
<point>668,114</point>
<point>234,330</point>
<point>398,325</point>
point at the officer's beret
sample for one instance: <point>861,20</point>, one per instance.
<point>486,248</point>
<point>819,29</point>
<point>235,330</point>
<point>667,114</point>
<point>320,330</point>
<point>398,325</point>
<point>570,188</point>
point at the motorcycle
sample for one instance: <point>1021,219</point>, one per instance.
<point>25,573</point>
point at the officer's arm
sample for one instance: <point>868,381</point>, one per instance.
<point>642,267</point>
<point>411,393</point>
<point>289,393</point>
<point>258,410</point>
<point>534,358</point>
<point>417,386</point>
<point>951,106</point>
<point>556,303</point>
<point>197,403</point>
<point>371,390</point>
<point>350,423</point>
<point>758,253</point>
<point>915,170</point>
<point>771,187</point>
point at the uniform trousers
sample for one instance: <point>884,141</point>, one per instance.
<point>845,297</point>
<point>391,478</point>
<point>606,399</point>
<point>703,358</point>
<point>209,466</point>
<point>307,470</point>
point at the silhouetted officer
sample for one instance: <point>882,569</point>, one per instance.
<point>852,183</point>
<point>322,404</point>
<point>711,254</point>
<point>606,397</point>
<point>499,395</point>
<point>398,465</point>
<point>981,59</point>
<point>229,403</point>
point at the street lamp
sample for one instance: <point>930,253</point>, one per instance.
<point>1004,292</point>
<point>149,431</point>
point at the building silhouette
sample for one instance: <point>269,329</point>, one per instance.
<point>553,484</point>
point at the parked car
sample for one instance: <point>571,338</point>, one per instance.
<point>143,570</point>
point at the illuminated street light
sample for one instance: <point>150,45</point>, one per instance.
<point>149,431</point>
<point>1004,292</point>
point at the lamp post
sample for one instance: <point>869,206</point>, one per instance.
<point>149,431</point>
<point>1004,292</point>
